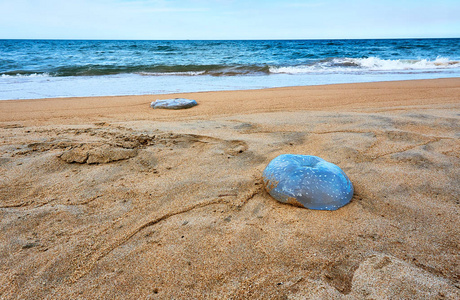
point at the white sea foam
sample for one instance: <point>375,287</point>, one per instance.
<point>189,73</point>
<point>374,63</point>
<point>25,75</point>
<point>344,65</point>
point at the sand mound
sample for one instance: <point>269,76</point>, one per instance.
<point>382,276</point>
<point>96,154</point>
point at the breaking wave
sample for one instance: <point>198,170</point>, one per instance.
<point>23,74</point>
<point>369,64</point>
<point>329,65</point>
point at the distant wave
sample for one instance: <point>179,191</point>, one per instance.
<point>329,65</point>
<point>147,70</point>
<point>213,70</point>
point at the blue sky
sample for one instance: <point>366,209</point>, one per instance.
<point>228,19</point>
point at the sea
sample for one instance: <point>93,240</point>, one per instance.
<point>31,69</point>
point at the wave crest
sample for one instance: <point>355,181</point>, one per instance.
<point>368,64</point>
<point>330,65</point>
<point>23,74</point>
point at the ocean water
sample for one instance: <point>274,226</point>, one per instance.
<point>67,68</point>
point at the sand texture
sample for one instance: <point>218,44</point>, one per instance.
<point>107,198</point>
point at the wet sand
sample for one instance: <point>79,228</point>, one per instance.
<point>107,198</point>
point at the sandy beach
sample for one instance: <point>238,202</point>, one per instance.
<point>106,198</point>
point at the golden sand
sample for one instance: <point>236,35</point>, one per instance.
<point>107,198</point>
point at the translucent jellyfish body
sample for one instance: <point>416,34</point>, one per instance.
<point>307,181</point>
<point>177,103</point>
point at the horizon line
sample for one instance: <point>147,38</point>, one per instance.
<point>274,39</point>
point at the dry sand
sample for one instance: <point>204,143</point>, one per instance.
<point>108,198</point>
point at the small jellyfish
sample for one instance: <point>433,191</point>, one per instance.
<point>176,103</point>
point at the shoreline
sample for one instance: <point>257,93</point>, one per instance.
<point>240,90</point>
<point>136,84</point>
<point>105,197</point>
<point>219,103</point>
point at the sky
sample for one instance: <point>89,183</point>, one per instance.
<point>228,19</point>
